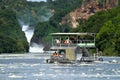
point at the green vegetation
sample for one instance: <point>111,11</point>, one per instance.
<point>12,38</point>
<point>60,9</point>
<point>107,25</point>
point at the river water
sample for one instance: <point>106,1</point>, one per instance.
<point>32,66</point>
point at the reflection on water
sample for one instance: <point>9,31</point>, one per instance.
<point>33,67</point>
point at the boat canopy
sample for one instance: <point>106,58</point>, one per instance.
<point>73,34</point>
<point>73,43</point>
<point>64,40</point>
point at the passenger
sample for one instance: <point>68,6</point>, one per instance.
<point>58,41</point>
<point>56,54</point>
<point>68,41</point>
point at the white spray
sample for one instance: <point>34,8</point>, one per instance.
<point>28,32</point>
<point>34,47</point>
<point>25,22</point>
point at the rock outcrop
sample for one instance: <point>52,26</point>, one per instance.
<point>87,9</point>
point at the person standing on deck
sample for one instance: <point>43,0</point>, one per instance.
<point>58,41</point>
<point>68,41</point>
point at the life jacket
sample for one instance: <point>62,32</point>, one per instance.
<point>56,54</point>
<point>67,42</point>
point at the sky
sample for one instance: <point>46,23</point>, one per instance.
<point>37,0</point>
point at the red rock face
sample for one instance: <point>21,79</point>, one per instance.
<point>110,3</point>
<point>87,9</point>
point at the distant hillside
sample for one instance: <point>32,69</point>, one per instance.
<point>107,25</point>
<point>101,23</point>
<point>12,39</point>
<point>59,8</point>
<point>14,14</point>
<point>100,18</point>
<point>87,9</point>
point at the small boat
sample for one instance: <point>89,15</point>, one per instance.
<point>58,58</point>
<point>73,47</point>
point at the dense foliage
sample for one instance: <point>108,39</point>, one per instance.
<point>107,25</point>
<point>109,34</point>
<point>12,38</point>
<point>60,9</point>
<point>13,14</point>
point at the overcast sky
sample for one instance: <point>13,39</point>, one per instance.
<point>37,0</point>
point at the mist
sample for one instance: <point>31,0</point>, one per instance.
<point>28,32</point>
<point>36,48</point>
<point>28,21</point>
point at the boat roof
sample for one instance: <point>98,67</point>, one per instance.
<point>72,34</point>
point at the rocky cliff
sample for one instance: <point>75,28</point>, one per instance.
<point>87,9</point>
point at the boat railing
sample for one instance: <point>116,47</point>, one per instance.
<point>74,43</point>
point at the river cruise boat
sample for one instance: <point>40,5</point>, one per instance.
<point>73,47</point>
